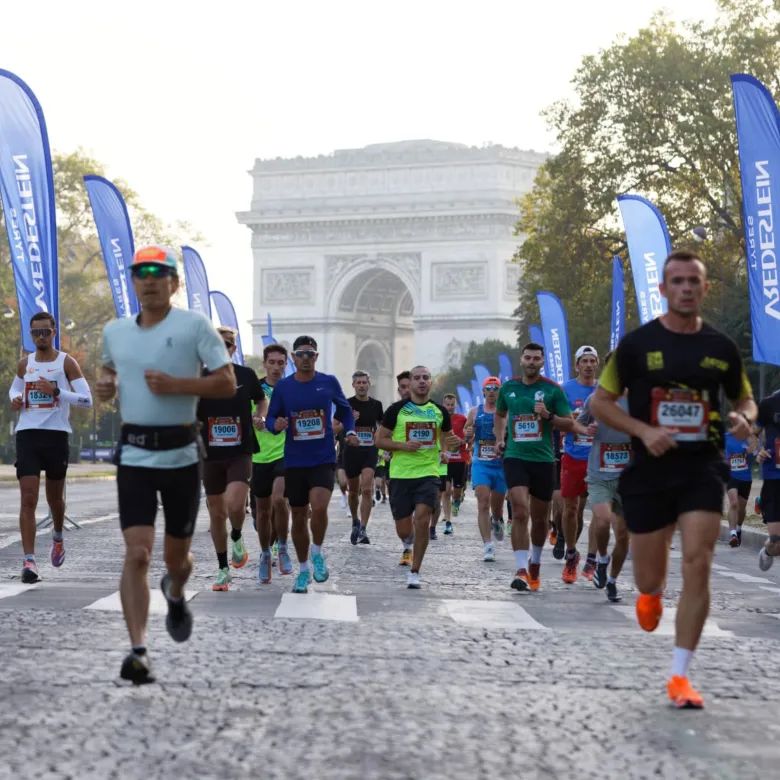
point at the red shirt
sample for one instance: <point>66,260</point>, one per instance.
<point>458,424</point>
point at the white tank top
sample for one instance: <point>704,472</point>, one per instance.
<point>40,411</point>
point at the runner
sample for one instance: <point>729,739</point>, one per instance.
<point>301,406</point>
<point>229,442</point>
<point>739,456</point>
<point>268,476</point>
<point>533,405</point>
<point>341,473</point>
<point>456,465</point>
<point>380,476</point>
<point>158,452</point>
<point>574,463</point>
<point>557,539</point>
<point>487,468</point>
<point>360,462</point>
<point>442,497</point>
<point>404,380</point>
<point>414,431</point>
<point>674,368</point>
<point>46,385</point>
<point>609,456</point>
<point>769,458</point>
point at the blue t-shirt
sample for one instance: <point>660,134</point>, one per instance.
<point>769,420</point>
<point>485,439</point>
<point>739,459</point>
<point>309,439</point>
<point>574,445</point>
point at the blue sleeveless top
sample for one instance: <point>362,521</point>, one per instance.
<point>484,438</point>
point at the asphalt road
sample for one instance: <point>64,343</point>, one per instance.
<point>362,678</point>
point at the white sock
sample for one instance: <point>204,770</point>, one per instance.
<point>521,559</point>
<point>734,532</point>
<point>408,546</point>
<point>611,579</point>
<point>316,549</point>
<point>488,546</point>
<point>603,558</point>
<point>680,661</point>
<point>536,554</point>
<point>304,566</point>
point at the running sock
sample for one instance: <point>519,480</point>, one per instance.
<point>316,549</point>
<point>536,554</point>
<point>140,650</point>
<point>603,559</point>
<point>591,557</point>
<point>56,536</point>
<point>611,580</point>
<point>235,535</point>
<point>680,662</point>
<point>488,546</point>
<point>304,566</point>
<point>30,558</point>
<point>570,554</point>
<point>521,559</point>
<point>733,533</point>
<point>222,558</point>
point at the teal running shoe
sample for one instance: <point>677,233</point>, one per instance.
<point>240,555</point>
<point>302,582</point>
<point>275,553</point>
<point>264,571</point>
<point>223,580</point>
<point>320,569</point>
<point>285,562</point>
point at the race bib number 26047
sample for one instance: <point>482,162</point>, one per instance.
<point>687,412</point>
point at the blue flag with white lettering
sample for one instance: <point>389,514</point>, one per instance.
<point>556,336</point>
<point>758,136</point>
<point>618,327</point>
<point>476,393</point>
<point>116,241</point>
<point>648,247</point>
<point>197,281</point>
<point>27,194</point>
<point>227,318</point>
<point>504,368</point>
<point>537,336</point>
<point>464,396</point>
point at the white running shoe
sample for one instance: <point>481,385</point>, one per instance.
<point>765,560</point>
<point>343,501</point>
<point>490,553</point>
<point>413,581</point>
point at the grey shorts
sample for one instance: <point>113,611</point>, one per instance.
<point>606,492</point>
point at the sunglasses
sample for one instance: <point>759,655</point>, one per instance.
<point>155,271</point>
<point>305,353</point>
<point>39,332</point>
<point>492,387</point>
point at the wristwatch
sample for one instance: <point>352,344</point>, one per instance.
<point>349,433</point>
<point>57,392</point>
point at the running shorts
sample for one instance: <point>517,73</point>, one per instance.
<point>38,450</point>
<point>406,494</point>
<point>358,458</point>
<point>300,480</point>
<point>380,472</point>
<point>606,492</point>
<point>558,474</point>
<point>770,501</point>
<point>264,475</point>
<point>443,480</point>
<point>490,475</point>
<point>702,490</point>
<point>218,474</point>
<point>538,477</point>
<point>457,473</point>
<point>179,491</point>
<point>742,486</point>
<point>573,473</point>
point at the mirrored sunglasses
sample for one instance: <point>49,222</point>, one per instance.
<point>38,332</point>
<point>305,353</point>
<point>492,387</point>
<point>155,271</point>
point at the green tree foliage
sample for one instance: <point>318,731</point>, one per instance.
<point>651,115</point>
<point>487,353</point>
<point>255,362</point>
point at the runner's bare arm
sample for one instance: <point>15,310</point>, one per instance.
<point>80,395</point>
<point>468,428</point>
<point>337,426</point>
<point>604,409</point>
<point>220,383</point>
<point>105,389</point>
<point>16,393</point>
<point>384,441</point>
<point>499,426</point>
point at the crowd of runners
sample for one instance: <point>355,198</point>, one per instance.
<point>640,433</point>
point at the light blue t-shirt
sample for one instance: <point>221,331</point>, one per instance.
<point>178,346</point>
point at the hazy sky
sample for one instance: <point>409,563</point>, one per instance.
<point>179,98</point>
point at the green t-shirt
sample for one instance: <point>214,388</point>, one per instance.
<point>529,437</point>
<point>271,447</point>
<point>423,423</point>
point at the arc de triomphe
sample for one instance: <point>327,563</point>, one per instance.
<point>391,255</point>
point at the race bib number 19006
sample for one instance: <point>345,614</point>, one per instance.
<point>224,432</point>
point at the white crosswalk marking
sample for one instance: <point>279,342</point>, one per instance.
<point>14,589</point>
<point>490,614</point>
<point>157,604</point>
<point>318,606</point>
<point>666,626</point>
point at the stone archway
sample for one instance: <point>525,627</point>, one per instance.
<point>373,356</point>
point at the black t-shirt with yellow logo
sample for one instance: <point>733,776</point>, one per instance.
<point>674,380</point>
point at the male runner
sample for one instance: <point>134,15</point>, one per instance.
<point>674,368</point>
<point>229,442</point>
<point>380,476</point>
<point>769,458</point>
<point>456,465</point>
<point>404,380</point>
<point>268,475</point>
<point>341,473</point>
<point>442,498</point>
<point>609,457</point>
<point>301,406</point>
<point>531,405</point>
<point>360,462</point>
<point>46,385</point>
<point>415,431</point>
<point>158,450</point>
<point>487,471</point>
<point>557,538</point>
<point>574,463</point>
<point>739,457</point>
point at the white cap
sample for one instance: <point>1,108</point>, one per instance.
<point>585,350</point>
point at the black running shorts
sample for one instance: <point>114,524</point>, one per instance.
<point>742,487</point>
<point>300,480</point>
<point>264,475</point>
<point>457,473</point>
<point>179,491</point>
<point>218,474</point>
<point>38,450</point>
<point>358,458</point>
<point>538,477</point>
<point>406,494</point>
<point>770,500</point>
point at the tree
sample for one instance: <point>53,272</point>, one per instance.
<point>486,352</point>
<point>653,115</point>
<point>255,362</point>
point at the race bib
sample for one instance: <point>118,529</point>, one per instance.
<point>583,441</point>
<point>309,425</point>
<point>486,450</point>
<point>424,432</point>
<point>738,462</point>
<point>36,401</point>
<point>614,458</point>
<point>777,453</point>
<point>525,427</point>
<point>686,410</point>
<point>366,436</point>
<point>224,432</point>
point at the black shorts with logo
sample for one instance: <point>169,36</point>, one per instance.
<point>457,473</point>
<point>179,491</point>
<point>264,475</point>
<point>742,487</point>
<point>298,481</point>
<point>770,501</point>
<point>358,458</point>
<point>38,450</point>
<point>538,477</point>
<point>406,494</point>
<point>218,474</point>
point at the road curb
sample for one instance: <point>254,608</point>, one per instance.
<point>751,537</point>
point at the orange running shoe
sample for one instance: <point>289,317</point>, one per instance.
<point>534,580</point>
<point>553,536</point>
<point>649,610</point>
<point>569,575</point>
<point>683,694</point>
<point>588,570</point>
<point>406,558</point>
<point>520,582</point>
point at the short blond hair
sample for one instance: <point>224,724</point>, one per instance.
<point>224,331</point>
